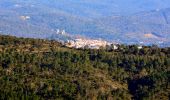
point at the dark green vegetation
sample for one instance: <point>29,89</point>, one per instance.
<point>40,69</point>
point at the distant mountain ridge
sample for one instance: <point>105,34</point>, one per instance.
<point>135,26</point>
<point>40,20</point>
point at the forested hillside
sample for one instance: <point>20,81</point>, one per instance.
<point>40,69</point>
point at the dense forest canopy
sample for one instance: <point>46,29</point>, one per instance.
<point>41,69</point>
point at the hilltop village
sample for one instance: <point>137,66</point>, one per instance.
<point>86,43</point>
<point>81,42</point>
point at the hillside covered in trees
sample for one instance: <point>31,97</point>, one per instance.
<point>40,69</point>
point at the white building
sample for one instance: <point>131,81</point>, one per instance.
<point>140,47</point>
<point>82,43</point>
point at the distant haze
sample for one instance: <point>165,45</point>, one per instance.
<point>125,21</point>
<point>96,8</point>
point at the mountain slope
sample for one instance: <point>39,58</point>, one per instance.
<point>40,69</point>
<point>133,28</point>
<point>110,20</point>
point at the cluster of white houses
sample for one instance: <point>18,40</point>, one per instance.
<point>91,44</point>
<point>87,43</point>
